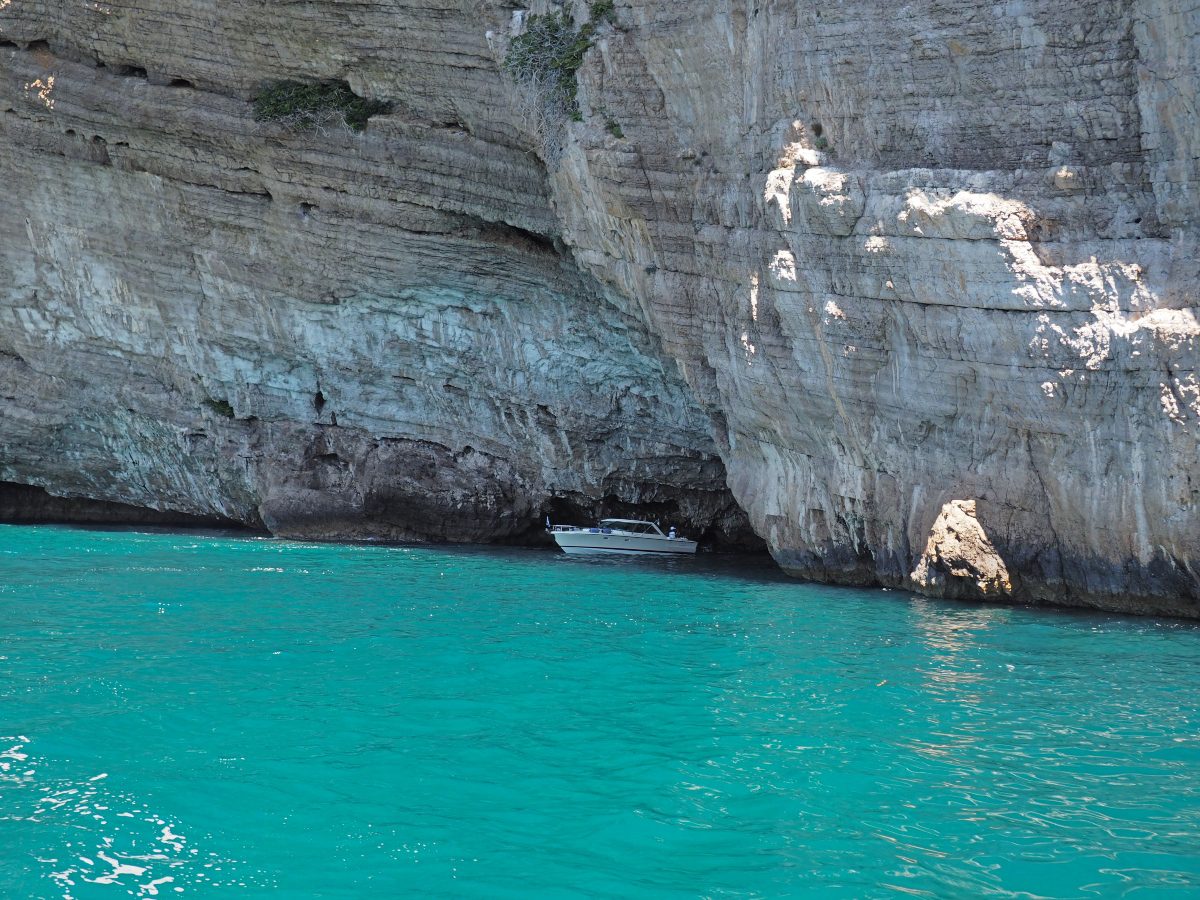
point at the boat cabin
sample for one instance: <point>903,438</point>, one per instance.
<point>631,526</point>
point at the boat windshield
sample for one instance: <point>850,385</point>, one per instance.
<point>630,526</point>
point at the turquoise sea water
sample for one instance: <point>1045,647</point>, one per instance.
<point>206,716</point>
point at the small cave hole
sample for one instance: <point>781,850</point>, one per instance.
<point>318,402</point>
<point>38,47</point>
<point>132,71</point>
<point>180,83</point>
<point>221,407</point>
<point>306,209</point>
<point>817,129</point>
<point>7,45</point>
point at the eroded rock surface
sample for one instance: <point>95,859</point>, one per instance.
<point>920,288</point>
<point>334,335</point>
<point>23,503</point>
<point>959,558</point>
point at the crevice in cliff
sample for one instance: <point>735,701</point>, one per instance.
<point>1057,311</point>
<point>501,234</point>
<point>47,56</point>
<point>504,234</point>
<point>1064,585</point>
<point>28,504</point>
<point>75,147</point>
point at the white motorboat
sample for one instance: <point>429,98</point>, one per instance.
<point>619,536</point>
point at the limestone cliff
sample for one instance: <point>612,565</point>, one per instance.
<point>917,283</point>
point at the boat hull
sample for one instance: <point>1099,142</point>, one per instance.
<point>588,541</point>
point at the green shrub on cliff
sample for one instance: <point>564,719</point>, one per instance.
<point>546,56</point>
<point>603,11</point>
<point>298,105</point>
<point>221,407</point>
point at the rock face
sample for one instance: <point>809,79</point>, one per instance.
<point>330,334</point>
<point>22,503</point>
<point>920,289</point>
<point>959,559</point>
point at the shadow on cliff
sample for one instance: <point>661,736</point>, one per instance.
<point>24,504</point>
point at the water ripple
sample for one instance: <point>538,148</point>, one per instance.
<point>110,839</point>
<point>254,718</point>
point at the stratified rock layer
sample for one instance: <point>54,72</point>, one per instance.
<point>330,334</point>
<point>921,288</point>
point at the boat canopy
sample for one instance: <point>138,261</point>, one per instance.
<point>633,526</point>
